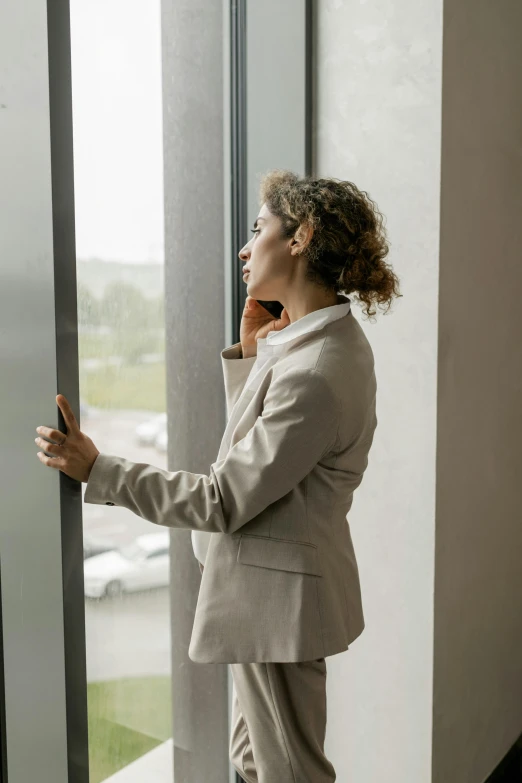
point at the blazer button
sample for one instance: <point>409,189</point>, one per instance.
<point>108,503</point>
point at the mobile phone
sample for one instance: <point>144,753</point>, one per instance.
<point>274,308</point>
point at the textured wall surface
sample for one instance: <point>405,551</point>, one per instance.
<point>424,113</point>
<point>377,118</point>
<point>192,49</point>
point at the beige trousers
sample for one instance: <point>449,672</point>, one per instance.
<point>278,722</point>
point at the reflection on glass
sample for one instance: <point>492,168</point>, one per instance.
<point>116,76</point>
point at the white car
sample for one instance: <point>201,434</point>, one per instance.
<point>138,566</point>
<point>147,432</point>
<point>162,441</point>
<point>93,546</point>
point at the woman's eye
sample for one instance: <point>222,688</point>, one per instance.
<point>255,230</point>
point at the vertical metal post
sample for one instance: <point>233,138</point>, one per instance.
<point>238,144</point>
<point>3,744</point>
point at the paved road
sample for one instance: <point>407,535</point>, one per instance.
<point>129,636</point>
<point>113,433</point>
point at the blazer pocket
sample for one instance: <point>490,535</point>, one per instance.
<point>279,553</point>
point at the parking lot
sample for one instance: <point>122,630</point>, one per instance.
<point>127,636</point>
<point>113,433</point>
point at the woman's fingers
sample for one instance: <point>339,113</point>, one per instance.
<point>50,448</point>
<point>50,434</point>
<point>68,415</point>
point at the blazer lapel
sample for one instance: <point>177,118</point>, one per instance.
<point>252,385</point>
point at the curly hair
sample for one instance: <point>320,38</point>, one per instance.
<point>348,246</point>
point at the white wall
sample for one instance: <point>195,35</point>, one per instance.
<point>432,690</point>
<point>378,124</point>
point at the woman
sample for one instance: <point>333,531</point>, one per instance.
<point>280,587</point>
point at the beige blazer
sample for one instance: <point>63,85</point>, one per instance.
<point>280,581</point>
<point>275,339</point>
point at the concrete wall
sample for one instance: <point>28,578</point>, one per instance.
<point>192,64</point>
<point>478,574</point>
<point>431,691</point>
<point>378,124</point>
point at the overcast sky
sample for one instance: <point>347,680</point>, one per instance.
<point>117,117</point>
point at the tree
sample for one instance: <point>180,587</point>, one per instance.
<point>88,306</point>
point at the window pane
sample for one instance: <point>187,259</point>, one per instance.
<point>118,168</point>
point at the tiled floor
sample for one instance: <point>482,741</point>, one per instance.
<point>508,771</point>
<point>155,767</point>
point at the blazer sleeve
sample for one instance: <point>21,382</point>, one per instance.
<point>298,425</point>
<point>235,373</point>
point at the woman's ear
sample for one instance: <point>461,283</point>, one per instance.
<point>301,239</point>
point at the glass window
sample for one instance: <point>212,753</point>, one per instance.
<point>118,170</point>
<point>159,553</point>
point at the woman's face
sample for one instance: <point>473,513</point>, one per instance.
<point>271,262</point>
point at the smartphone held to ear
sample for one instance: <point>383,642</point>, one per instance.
<point>274,308</point>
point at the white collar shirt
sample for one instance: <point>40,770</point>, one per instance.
<point>308,323</point>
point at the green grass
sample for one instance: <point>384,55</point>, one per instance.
<point>127,718</point>
<point>100,346</point>
<point>138,387</point>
